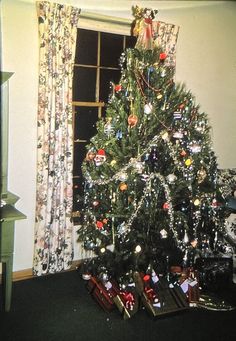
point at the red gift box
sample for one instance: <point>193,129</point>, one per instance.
<point>103,293</point>
<point>127,301</point>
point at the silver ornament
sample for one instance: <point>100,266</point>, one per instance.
<point>163,234</point>
<point>148,108</point>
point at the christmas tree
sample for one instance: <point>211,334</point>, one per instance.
<point>150,174</point>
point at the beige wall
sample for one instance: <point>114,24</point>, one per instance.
<point>206,62</point>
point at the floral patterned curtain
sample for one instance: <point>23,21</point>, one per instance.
<point>53,250</point>
<point>166,35</point>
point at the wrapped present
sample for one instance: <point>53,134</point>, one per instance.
<point>188,279</point>
<point>159,296</point>
<point>127,301</point>
<point>103,292</point>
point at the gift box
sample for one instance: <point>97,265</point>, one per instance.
<point>127,302</point>
<point>188,280</point>
<point>160,297</point>
<point>103,292</point>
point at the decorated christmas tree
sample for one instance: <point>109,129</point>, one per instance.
<point>151,197</point>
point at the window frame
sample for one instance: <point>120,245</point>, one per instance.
<point>100,24</point>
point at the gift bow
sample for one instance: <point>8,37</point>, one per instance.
<point>128,299</point>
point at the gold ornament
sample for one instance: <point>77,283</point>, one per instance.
<point>188,162</point>
<point>123,187</point>
<point>196,202</point>
<point>113,162</point>
<point>165,136</point>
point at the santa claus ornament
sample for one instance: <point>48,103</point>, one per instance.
<point>100,157</point>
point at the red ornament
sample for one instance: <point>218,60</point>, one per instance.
<point>146,278</point>
<point>182,105</point>
<point>183,153</point>
<point>118,87</point>
<point>132,120</point>
<point>163,56</point>
<point>99,224</point>
<point>101,152</point>
<point>166,206</point>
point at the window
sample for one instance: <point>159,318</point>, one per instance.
<point>96,65</point>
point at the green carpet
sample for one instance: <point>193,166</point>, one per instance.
<point>58,307</point>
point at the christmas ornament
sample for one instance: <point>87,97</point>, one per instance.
<point>146,278</point>
<point>99,224</point>
<point>163,234</point>
<point>163,73</point>
<point>166,206</point>
<point>194,243</point>
<point>177,115</point>
<point>117,87</point>
<point>100,157</point>
<point>132,120</point>
<point>178,134</point>
<point>119,135</point>
<point>195,148</point>
<point>186,239</point>
<point>89,245</point>
<point>139,167</point>
<point>108,127</point>
<point>196,202</point>
<point>183,153</point>
<point>171,178</point>
<point>148,108</point>
<point>95,203</point>
<point>162,56</point>
<point>123,177</point>
<point>113,163</point>
<point>153,157</point>
<point>110,247</point>
<point>122,228</point>
<point>181,106</point>
<point>165,136</point>
<point>188,162</point>
<point>90,155</point>
<point>201,175</point>
<point>123,187</point>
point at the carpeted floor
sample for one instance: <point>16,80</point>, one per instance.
<point>58,307</point>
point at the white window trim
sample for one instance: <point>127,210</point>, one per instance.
<point>103,23</point>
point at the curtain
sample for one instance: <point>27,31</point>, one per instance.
<point>53,249</point>
<point>166,35</point>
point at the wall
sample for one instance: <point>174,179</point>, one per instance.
<point>206,62</point>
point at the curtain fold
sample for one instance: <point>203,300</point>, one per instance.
<point>53,249</point>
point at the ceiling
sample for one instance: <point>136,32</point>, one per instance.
<point>122,8</point>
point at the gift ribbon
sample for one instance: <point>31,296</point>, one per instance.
<point>128,299</point>
<point>150,294</point>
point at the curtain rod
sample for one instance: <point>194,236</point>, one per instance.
<point>104,18</point>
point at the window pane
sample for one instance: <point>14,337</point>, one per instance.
<point>79,155</point>
<point>111,49</point>
<point>85,122</point>
<point>106,77</point>
<point>84,84</point>
<point>130,41</point>
<point>86,47</point>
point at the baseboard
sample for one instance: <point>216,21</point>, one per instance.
<point>28,273</point>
